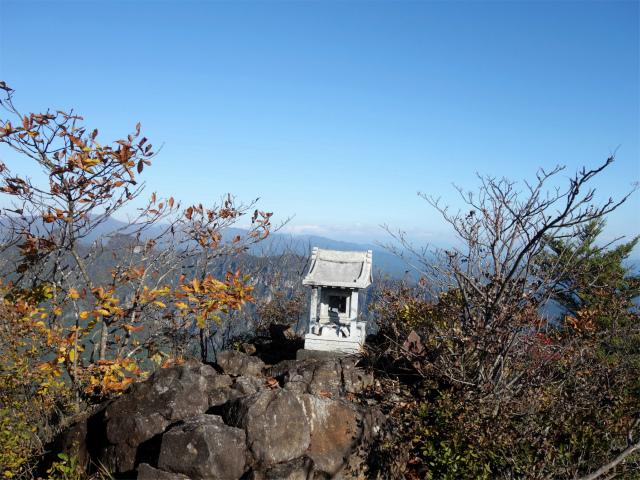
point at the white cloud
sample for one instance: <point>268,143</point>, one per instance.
<point>305,230</point>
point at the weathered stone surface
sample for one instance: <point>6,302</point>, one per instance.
<point>134,427</point>
<point>281,368</point>
<point>354,379</point>
<point>125,457</point>
<point>312,377</point>
<point>174,393</point>
<point>236,363</point>
<point>217,381</point>
<point>223,395</point>
<point>332,376</point>
<point>334,431</point>
<point>167,396</point>
<point>160,427</point>
<point>203,447</point>
<point>298,469</point>
<point>320,355</point>
<point>341,434</point>
<point>205,370</point>
<point>247,385</point>
<point>275,423</point>
<point>147,472</point>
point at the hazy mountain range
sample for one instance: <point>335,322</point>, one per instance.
<point>278,243</point>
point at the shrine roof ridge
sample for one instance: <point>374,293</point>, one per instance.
<point>334,268</point>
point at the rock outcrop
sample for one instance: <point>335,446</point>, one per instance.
<point>199,422</point>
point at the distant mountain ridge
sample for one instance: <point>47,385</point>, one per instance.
<point>278,243</point>
<point>274,244</point>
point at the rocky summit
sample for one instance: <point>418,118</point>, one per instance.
<point>235,419</point>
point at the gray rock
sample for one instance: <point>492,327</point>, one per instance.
<point>335,430</point>
<point>167,396</point>
<point>354,379</point>
<point>247,385</point>
<point>331,376</point>
<point>223,395</point>
<point>274,433</point>
<point>134,427</point>
<point>320,355</point>
<point>312,377</point>
<point>203,447</point>
<point>217,381</point>
<point>147,472</point>
<point>219,397</point>
<point>341,435</point>
<point>175,393</point>
<point>298,469</point>
<point>276,425</point>
<point>205,370</point>
<point>236,363</point>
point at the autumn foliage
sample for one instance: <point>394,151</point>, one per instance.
<point>511,392</point>
<point>69,335</point>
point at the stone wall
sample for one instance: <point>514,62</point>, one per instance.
<point>294,420</point>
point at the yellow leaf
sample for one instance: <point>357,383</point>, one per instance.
<point>72,355</point>
<point>102,311</point>
<point>73,293</point>
<point>182,306</point>
<point>84,315</point>
<point>160,304</point>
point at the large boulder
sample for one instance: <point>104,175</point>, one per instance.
<point>237,363</point>
<point>203,447</point>
<point>189,421</point>
<point>341,435</point>
<point>276,425</point>
<point>168,396</point>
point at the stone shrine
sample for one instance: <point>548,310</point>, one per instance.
<point>336,279</point>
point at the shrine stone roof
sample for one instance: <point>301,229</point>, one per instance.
<point>332,268</point>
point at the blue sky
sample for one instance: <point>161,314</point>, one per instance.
<point>340,112</point>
